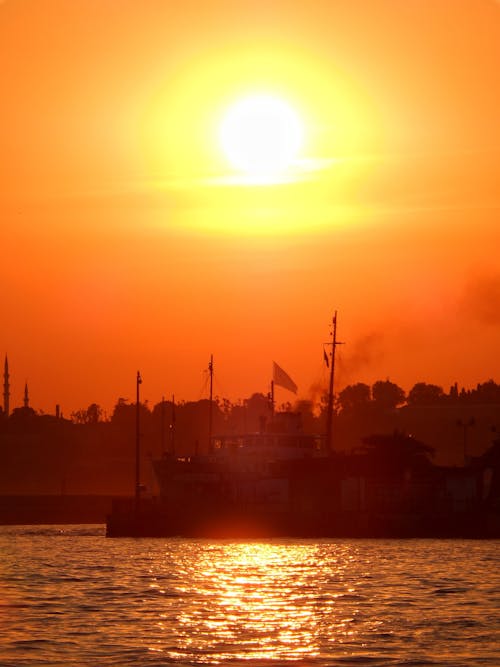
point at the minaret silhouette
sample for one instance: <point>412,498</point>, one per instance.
<point>6,388</point>
<point>26,396</point>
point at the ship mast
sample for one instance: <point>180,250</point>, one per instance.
<point>329,412</point>
<point>172,427</point>
<point>271,400</point>
<point>162,425</point>
<point>210,406</point>
<point>137,444</point>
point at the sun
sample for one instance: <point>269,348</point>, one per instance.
<point>261,137</point>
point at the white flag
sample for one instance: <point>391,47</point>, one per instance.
<point>283,379</point>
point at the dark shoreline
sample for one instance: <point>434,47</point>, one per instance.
<point>54,509</point>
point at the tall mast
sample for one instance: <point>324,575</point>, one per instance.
<point>329,413</point>
<point>137,444</point>
<point>210,407</point>
<point>162,425</point>
<point>172,427</point>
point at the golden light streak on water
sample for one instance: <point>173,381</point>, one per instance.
<point>270,591</point>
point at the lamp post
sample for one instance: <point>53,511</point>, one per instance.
<point>466,425</point>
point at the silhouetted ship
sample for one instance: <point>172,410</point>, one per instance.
<point>282,482</point>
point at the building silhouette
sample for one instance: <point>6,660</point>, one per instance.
<point>7,393</point>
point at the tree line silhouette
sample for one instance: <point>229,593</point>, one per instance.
<point>92,452</point>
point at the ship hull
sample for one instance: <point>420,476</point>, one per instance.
<point>155,520</point>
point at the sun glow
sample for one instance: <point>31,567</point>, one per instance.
<point>228,125</point>
<point>261,137</point>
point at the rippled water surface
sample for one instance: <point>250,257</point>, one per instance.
<point>69,596</point>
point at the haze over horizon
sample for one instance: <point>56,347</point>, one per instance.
<point>129,241</point>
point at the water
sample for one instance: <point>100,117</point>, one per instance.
<point>69,596</point>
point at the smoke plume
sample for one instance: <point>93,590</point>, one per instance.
<point>481,300</point>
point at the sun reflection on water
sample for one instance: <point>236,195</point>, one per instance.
<point>259,601</point>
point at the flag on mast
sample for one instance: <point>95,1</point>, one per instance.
<point>283,379</point>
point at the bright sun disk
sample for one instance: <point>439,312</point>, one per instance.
<point>261,136</point>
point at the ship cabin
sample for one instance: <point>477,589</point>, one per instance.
<point>240,460</point>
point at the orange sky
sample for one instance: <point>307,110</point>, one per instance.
<point>126,245</point>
